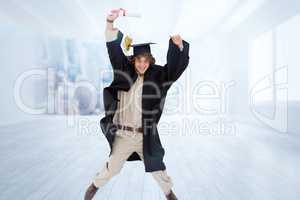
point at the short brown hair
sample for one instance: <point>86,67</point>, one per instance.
<point>148,56</point>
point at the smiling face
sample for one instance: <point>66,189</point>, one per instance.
<point>142,62</point>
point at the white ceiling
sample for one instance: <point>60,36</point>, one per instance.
<point>86,18</point>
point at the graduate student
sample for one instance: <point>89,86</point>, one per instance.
<point>133,105</point>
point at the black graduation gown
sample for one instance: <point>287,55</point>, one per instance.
<point>157,81</point>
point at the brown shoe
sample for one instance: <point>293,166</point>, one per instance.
<point>171,196</point>
<point>90,192</point>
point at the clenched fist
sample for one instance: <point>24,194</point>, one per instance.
<point>177,40</point>
<point>114,14</point>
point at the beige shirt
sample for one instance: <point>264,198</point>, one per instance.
<point>129,110</point>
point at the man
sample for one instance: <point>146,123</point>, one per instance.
<point>133,105</point>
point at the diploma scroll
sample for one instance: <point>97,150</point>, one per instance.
<point>125,13</point>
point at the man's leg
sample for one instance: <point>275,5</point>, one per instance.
<point>162,178</point>
<point>122,149</point>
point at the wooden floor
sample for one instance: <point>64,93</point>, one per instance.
<point>46,159</point>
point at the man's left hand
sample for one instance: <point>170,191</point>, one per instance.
<point>177,40</point>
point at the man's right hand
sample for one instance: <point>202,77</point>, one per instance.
<point>113,15</point>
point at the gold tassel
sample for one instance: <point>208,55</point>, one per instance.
<point>127,42</point>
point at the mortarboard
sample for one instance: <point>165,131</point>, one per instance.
<point>141,48</point>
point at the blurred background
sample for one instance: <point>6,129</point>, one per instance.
<point>237,105</point>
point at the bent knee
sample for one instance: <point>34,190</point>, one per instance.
<point>112,170</point>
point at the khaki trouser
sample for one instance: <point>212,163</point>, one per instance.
<point>125,144</point>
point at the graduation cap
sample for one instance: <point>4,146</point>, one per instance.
<point>141,48</point>
<point>137,48</point>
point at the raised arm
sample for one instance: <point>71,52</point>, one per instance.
<point>113,38</point>
<point>177,59</point>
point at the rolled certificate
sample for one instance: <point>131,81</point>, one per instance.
<point>125,13</point>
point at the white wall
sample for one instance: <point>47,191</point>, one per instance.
<point>283,27</point>
<point>19,51</point>
<point>288,48</point>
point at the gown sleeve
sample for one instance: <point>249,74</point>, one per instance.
<point>117,58</point>
<point>177,61</point>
